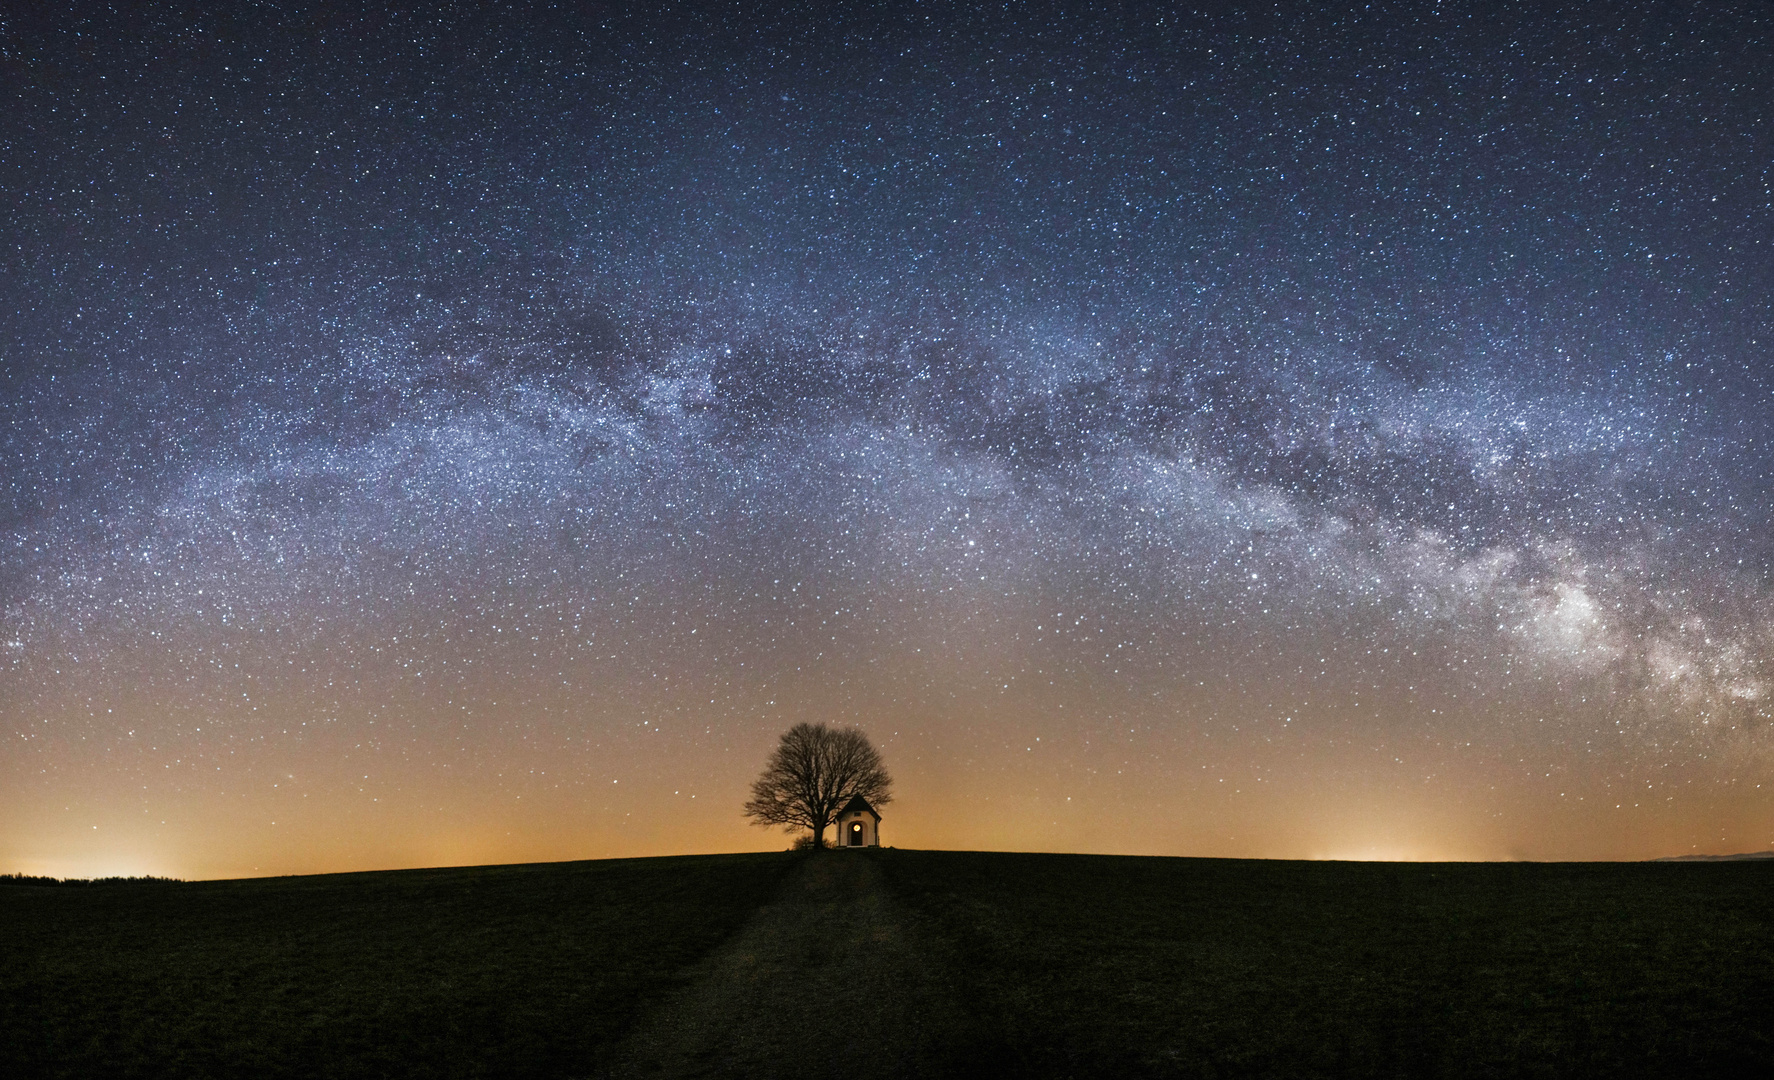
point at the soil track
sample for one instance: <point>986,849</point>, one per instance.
<point>827,980</point>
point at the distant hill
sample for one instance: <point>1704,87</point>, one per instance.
<point>1717,858</point>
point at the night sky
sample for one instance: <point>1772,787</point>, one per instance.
<point>475,437</point>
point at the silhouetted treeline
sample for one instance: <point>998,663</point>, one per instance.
<point>30,879</point>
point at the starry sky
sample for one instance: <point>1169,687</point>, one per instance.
<point>475,434</point>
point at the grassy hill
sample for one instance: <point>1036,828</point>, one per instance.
<point>970,963</point>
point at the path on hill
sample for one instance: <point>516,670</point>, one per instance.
<point>826,981</point>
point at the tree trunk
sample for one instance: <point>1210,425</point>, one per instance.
<point>819,836</point>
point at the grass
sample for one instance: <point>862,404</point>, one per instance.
<point>1114,966</point>
<point>1052,965</point>
<point>507,971</point>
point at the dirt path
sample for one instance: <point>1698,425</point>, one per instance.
<point>825,981</point>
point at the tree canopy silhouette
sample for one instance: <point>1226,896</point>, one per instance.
<point>813,772</point>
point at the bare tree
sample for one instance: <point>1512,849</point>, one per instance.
<point>814,771</point>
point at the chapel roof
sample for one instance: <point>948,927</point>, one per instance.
<point>857,802</point>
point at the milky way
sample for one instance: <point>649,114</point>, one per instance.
<point>474,437</point>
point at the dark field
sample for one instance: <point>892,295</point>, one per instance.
<point>1049,965</point>
<point>1205,967</point>
<point>490,971</point>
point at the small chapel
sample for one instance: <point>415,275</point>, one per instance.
<point>858,824</point>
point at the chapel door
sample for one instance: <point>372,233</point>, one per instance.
<point>856,834</point>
